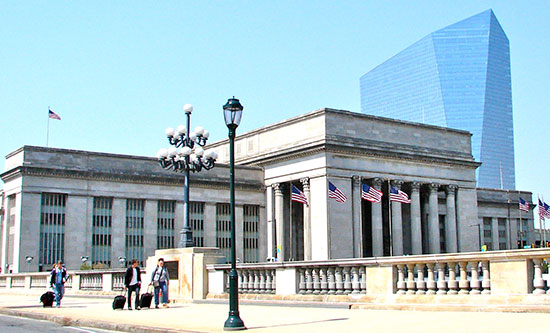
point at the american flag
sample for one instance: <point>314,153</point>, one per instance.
<point>53,115</point>
<point>370,193</point>
<point>298,195</point>
<point>523,205</point>
<point>398,195</point>
<point>546,210</point>
<point>542,210</point>
<point>335,193</point>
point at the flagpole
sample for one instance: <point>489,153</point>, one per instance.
<point>390,219</point>
<point>520,230</point>
<point>291,223</point>
<point>540,222</point>
<point>543,222</point>
<point>48,132</point>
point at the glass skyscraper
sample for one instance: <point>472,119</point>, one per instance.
<point>457,77</point>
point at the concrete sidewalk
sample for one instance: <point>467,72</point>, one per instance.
<point>205,317</point>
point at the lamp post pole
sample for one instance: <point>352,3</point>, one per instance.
<point>191,157</point>
<point>232,114</point>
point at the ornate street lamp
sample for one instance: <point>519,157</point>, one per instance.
<point>232,112</point>
<point>29,259</point>
<point>191,157</point>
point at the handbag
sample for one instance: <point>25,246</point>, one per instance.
<point>155,283</point>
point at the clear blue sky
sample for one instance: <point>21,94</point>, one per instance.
<point>119,72</point>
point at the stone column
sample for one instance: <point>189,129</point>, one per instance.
<point>376,220</point>
<point>416,225</point>
<point>356,215</point>
<point>450,221</point>
<point>494,233</point>
<point>118,230</point>
<point>270,225</point>
<point>210,234</point>
<point>279,221</point>
<point>150,229</point>
<point>433,220</point>
<point>239,237</point>
<point>397,223</point>
<point>307,220</point>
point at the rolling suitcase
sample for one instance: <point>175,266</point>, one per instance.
<point>146,299</point>
<point>119,302</point>
<point>47,299</point>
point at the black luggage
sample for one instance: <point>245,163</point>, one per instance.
<point>145,300</point>
<point>119,302</point>
<point>47,299</point>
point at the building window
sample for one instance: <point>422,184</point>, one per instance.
<point>250,232</point>
<point>223,229</point>
<point>488,233</point>
<point>52,229</point>
<point>134,230</point>
<point>165,224</point>
<point>502,234</point>
<point>101,234</point>
<point>196,218</point>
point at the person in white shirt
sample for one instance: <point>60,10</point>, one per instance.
<point>132,281</point>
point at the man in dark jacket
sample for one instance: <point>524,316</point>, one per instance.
<point>132,281</point>
<point>57,281</point>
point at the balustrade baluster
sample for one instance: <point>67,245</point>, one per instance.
<point>339,281</point>
<point>316,282</point>
<point>363,279</point>
<point>245,282</point>
<point>302,283</point>
<point>453,283</point>
<point>309,281</point>
<point>463,284</point>
<point>262,281</point>
<point>486,282</point>
<point>401,286</point>
<point>331,282</point>
<point>250,282</point>
<point>475,284</point>
<point>420,283</point>
<point>432,287</point>
<point>441,282</point>
<point>347,280</point>
<point>256,282</point>
<point>274,283</point>
<point>268,283</point>
<point>324,282</point>
<point>538,282</point>
<point>411,284</point>
<point>355,285</point>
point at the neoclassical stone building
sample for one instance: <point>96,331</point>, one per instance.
<point>69,204</point>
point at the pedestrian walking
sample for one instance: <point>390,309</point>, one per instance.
<point>57,281</point>
<point>132,281</point>
<point>160,280</point>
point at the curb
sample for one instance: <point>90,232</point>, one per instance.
<point>105,325</point>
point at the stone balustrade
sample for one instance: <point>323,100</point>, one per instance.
<point>515,272</point>
<point>89,281</point>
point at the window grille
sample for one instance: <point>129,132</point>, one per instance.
<point>134,230</point>
<point>102,232</point>
<point>165,224</point>
<point>250,233</point>
<point>196,218</point>
<point>488,233</point>
<point>52,229</point>
<point>223,229</point>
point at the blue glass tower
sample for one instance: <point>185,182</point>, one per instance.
<point>457,77</point>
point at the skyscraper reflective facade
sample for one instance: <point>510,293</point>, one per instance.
<point>456,77</point>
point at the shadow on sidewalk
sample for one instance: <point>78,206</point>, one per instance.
<point>296,324</point>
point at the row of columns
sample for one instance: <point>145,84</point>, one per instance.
<point>416,219</point>
<point>433,233</point>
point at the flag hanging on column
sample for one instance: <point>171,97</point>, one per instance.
<point>298,196</point>
<point>335,193</point>
<point>398,195</point>
<point>523,205</point>
<point>542,210</point>
<point>53,115</point>
<point>371,194</point>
